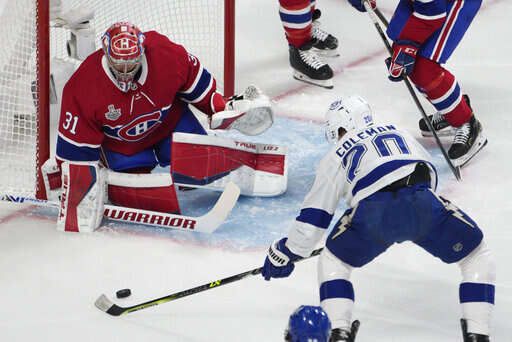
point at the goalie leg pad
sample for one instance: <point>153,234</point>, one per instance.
<point>155,192</point>
<point>83,196</point>
<point>211,162</point>
<point>52,177</point>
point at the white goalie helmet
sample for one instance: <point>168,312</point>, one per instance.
<point>351,112</point>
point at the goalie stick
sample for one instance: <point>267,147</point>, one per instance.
<point>372,13</point>
<point>105,304</point>
<point>207,223</point>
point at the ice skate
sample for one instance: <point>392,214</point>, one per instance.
<point>471,337</point>
<point>467,142</point>
<point>344,335</point>
<point>325,45</point>
<point>308,67</point>
<point>441,126</point>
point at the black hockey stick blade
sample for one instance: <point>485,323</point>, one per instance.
<point>106,305</point>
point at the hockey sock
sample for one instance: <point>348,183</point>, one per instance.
<point>336,290</point>
<point>442,90</point>
<point>296,16</point>
<point>476,291</point>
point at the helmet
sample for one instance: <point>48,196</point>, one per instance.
<point>123,44</point>
<point>351,113</point>
<point>308,324</point>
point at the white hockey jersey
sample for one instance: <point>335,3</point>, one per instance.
<point>361,163</point>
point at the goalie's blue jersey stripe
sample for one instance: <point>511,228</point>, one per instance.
<point>317,217</point>
<point>68,151</point>
<point>199,89</point>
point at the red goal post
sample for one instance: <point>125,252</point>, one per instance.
<point>31,41</point>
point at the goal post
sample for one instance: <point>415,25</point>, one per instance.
<point>206,28</point>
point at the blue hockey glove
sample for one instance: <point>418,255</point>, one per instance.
<point>279,261</point>
<point>358,4</point>
<point>402,62</point>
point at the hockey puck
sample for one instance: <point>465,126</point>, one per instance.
<point>123,293</point>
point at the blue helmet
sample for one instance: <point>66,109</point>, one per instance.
<point>308,324</point>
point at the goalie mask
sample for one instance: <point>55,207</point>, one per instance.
<point>123,44</point>
<point>308,323</point>
<point>350,113</point>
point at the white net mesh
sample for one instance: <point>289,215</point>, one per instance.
<point>18,125</point>
<point>196,24</point>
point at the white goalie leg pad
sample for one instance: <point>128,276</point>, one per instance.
<point>211,162</point>
<point>334,273</point>
<point>478,268</point>
<point>251,113</point>
<point>52,180</point>
<point>83,197</point>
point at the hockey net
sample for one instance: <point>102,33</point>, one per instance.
<point>30,41</point>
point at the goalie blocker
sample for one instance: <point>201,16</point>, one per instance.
<point>211,162</point>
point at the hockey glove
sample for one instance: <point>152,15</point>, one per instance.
<point>279,261</point>
<point>249,113</point>
<point>402,62</point>
<point>358,4</point>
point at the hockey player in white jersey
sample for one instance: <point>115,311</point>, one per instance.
<point>388,181</point>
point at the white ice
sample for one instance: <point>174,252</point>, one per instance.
<point>49,280</point>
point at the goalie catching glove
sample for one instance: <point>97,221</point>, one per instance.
<point>250,113</point>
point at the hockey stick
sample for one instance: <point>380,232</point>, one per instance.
<point>207,223</point>
<point>373,17</point>
<point>105,304</point>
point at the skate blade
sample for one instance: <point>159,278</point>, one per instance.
<point>327,53</point>
<point>321,83</point>
<point>445,132</point>
<point>462,161</point>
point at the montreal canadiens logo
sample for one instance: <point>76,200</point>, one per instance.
<point>140,127</point>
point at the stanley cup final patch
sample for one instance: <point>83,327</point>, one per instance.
<point>113,114</point>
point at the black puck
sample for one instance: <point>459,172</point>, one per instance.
<point>123,293</point>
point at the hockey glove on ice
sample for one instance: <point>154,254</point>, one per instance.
<point>279,261</point>
<point>358,4</point>
<point>402,62</point>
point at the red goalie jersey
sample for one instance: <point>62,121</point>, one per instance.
<point>97,113</point>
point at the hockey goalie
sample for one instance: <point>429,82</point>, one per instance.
<point>125,110</point>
